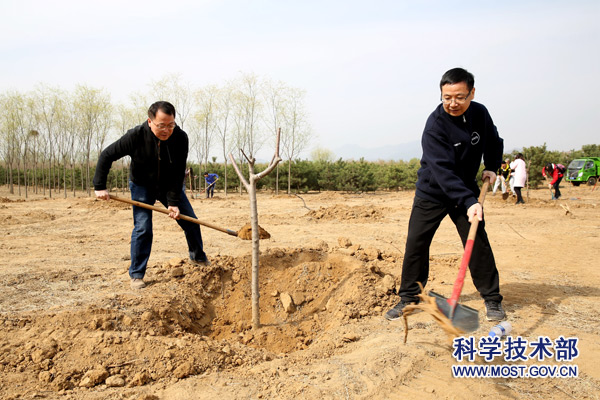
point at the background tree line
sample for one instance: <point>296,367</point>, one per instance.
<point>50,138</point>
<point>323,172</point>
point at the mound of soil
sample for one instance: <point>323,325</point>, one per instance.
<point>245,232</point>
<point>191,320</point>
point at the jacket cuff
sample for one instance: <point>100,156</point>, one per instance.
<point>470,201</point>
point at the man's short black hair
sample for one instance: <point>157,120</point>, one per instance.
<point>458,75</point>
<point>163,106</point>
<point>205,173</point>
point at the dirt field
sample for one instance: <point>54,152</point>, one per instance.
<point>71,328</point>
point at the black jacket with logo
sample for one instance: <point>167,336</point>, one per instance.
<point>453,148</point>
<point>157,165</point>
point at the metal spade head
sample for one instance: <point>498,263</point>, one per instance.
<point>464,318</point>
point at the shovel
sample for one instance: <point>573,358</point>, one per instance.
<point>507,193</point>
<point>181,216</point>
<point>463,317</point>
<point>549,188</point>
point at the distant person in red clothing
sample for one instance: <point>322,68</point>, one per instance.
<point>556,172</point>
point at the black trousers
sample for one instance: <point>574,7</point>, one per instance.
<point>556,189</point>
<point>519,195</point>
<point>425,218</point>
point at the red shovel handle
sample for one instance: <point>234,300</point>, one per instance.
<point>460,279</point>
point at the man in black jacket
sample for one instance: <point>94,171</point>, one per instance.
<point>456,137</point>
<point>158,149</point>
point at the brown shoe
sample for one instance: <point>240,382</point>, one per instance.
<point>137,283</point>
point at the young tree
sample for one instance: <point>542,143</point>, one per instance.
<point>322,154</point>
<point>224,107</point>
<point>65,140</point>
<point>171,88</point>
<point>94,110</point>
<point>29,134</point>
<point>205,118</point>
<point>246,117</point>
<point>296,133</point>
<point>250,186</point>
<point>17,118</point>
<point>125,119</point>
<point>275,100</point>
<point>9,131</point>
<point>49,104</point>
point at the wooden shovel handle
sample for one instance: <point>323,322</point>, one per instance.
<point>166,211</point>
<point>212,183</point>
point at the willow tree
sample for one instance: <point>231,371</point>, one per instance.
<point>206,124</point>
<point>173,89</point>
<point>224,111</point>
<point>94,111</point>
<point>296,135</point>
<point>250,186</point>
<point>50,104</point>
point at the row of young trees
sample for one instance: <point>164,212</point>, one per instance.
<point>323,172</point>
<point>50,138</point>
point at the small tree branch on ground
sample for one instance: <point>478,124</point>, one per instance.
<point>296,194</point>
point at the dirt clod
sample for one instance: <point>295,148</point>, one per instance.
<point>246,233</point>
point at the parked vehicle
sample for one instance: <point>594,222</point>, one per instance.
<point>583,170</point>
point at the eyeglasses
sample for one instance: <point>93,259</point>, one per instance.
<point>460,99</point>
<point>170,126</point>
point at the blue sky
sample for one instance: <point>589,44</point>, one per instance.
<point>370,69</point>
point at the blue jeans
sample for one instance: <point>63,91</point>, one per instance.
<point>141,237</point>
<point>210,191</point>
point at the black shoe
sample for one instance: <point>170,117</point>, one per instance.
<point>396,312</point>
<point>494,311</point>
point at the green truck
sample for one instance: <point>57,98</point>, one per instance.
<point>583,170</point>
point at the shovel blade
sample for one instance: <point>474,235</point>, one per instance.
<point>465,318</point>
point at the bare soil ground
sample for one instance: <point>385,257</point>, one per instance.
<point>71,328</point>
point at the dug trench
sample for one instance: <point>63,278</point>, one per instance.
<point>188,321</point>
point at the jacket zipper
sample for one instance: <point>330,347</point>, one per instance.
<point>159,160</point>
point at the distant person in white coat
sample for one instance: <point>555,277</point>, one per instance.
<point>519,172</point>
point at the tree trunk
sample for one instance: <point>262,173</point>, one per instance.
<point>277,181</point>
<point>250,186</point>
<point>225,173</point>
<point>290,176</point>
<point>255,254</point>
<point>65,177</point>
